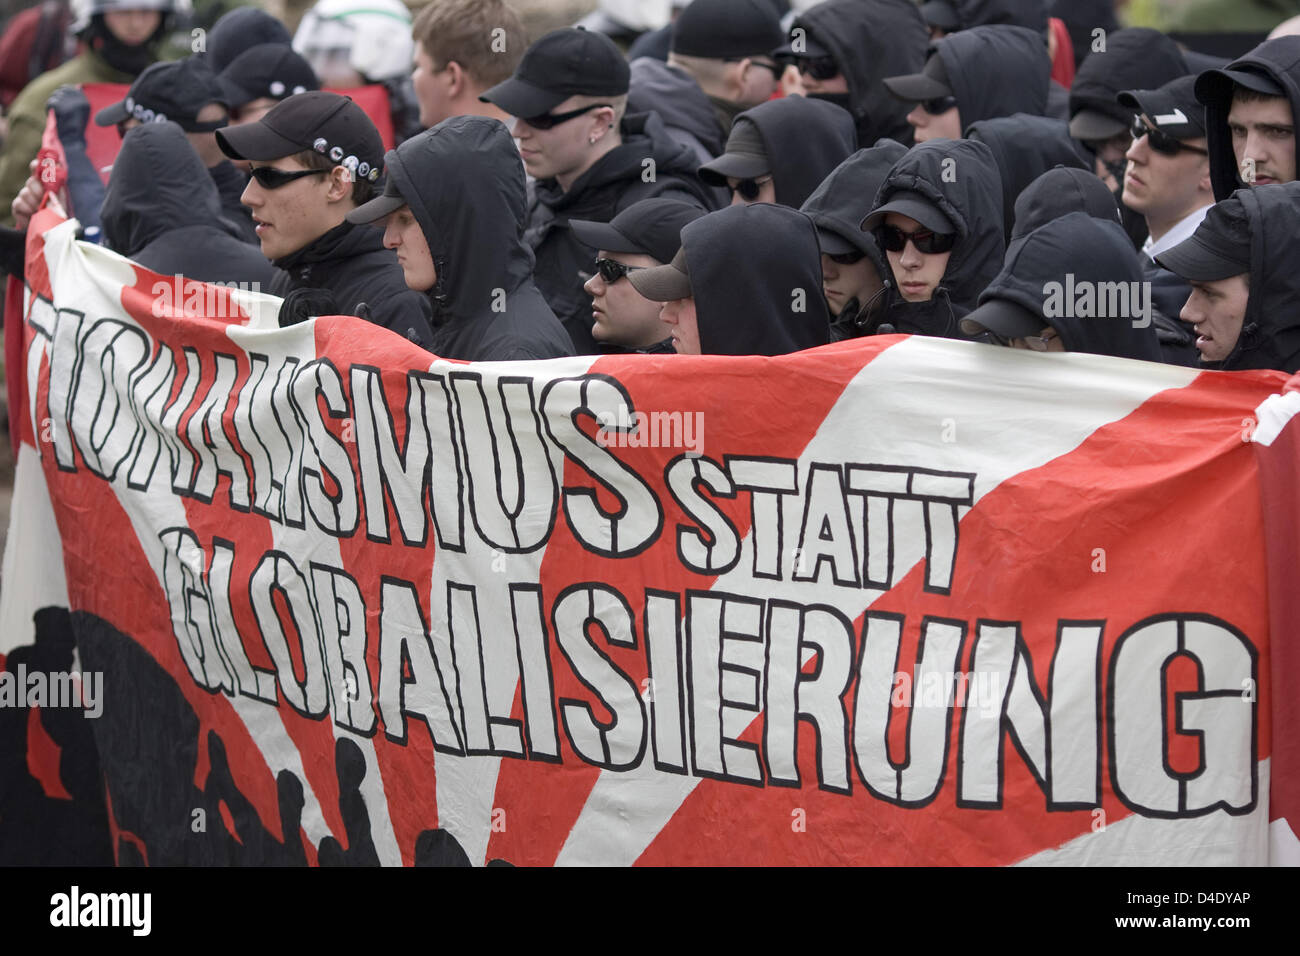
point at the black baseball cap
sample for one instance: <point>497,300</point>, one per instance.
<point>376,209</point>
<point>651,227</point>
<point>1004,318</point>
<point>718,29</point>
<point>563,63</point>
<point>941,14</point>
<point>1173,108</point>
<point>1218,249</point>
<point>930,83</point>
<point>1217,85</point>
<point>174,90</point>
<point>664,283</point>
<point>267,70</point>
<point>745,156</point>
<point>329,123</point>
<point>915,206</point>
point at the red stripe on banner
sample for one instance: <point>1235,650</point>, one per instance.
<point>43,756</point>
<point>537,829</point>
<point>1032,565</point>
<point>15,355</point>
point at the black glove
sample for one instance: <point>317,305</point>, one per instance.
<point>71,112</point>
<point>301,304</point>
<point>13,249</point>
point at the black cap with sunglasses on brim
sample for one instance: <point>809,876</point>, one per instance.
<point>175,90</point>
<point>651,227</point>
<point>1173,109</point>
<point>328,123</point>
<point>563,63</point>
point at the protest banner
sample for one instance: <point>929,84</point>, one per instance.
<point>893,601</point>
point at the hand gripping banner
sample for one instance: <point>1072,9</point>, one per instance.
<point>894,601</point>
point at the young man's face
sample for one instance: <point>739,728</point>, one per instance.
<point>927,125</point>
<point>298,213</point>
<point>842,282</point>
<point>402,234</point>
<point>753,82</point>
<point>564,151</point>
<point>1166,188</point>
<point>1263,138</point>
<point>836,84</point>
<point>682,325</point>
<point>132,27</point>
<point>621,315</point>
<point>1216,310</point>
<point>916,273</point>
<point>430,88</point>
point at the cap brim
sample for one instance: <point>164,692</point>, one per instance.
<point>112,114</point>
<point>235,95</point>
<point>661,283</point>
<point>601,235</point>
<point>1091,124</point>
<point>375,210</point>
<point>1196,262</point>
<point>833,244</point>
<point>255,141</point>
<point>733,165</point>
<point>1251,80</point>
<point>522,99</point>
<point>915,87</point>
<point>927,215</point>
<point>1003,318</point>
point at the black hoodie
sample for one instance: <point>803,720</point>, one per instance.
<point>1135,58</point>
<point>839,205</point>
<point>464,183</point>
<point>870,40</point>
<point>756,277</point>
<point>996,71</point>
<point>1044,267</point>
<point>1031,14</point>
<point>1280,59</point>
<point>804,139</point>
<point>960,178</point>
<point>1059,192</point>
<point>162,210</point>
<point>615,182</point>
<point>1024,147</point>
<point>687,112</point>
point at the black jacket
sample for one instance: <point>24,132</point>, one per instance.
<point>996,71</point>
<point>871,40</point>
<point>756,277</point>
<point>353,265</point>
<point>1280,59</point>
<point>1034,275</point>
<point>969,192</point>
<point>687,114</point>
<point>602,192</point>
<point>1059,192</point>
<point>1024,147</point>
<point>465,184</point>
<point>162,210</point>
<point>839,205</point>
<point>804,140</point>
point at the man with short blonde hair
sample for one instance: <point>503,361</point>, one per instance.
<point>463,47</point>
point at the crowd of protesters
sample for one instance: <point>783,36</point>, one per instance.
<point>749,180</point>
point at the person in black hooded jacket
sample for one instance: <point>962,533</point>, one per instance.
<point>745,282</point>
<point>854,270</point>
<point>460,185</point>
<point>1075,285</point>
<point>959,180</point>
<point>1263,89</point>
<point>1248,238</point>
<point>843,49</point>
<point>162,210</point>
<point>591,164</point>
<point>949,16</point>
<point>1059,192</point>
<point>793,142</point>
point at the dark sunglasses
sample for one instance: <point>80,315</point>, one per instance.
<point>1161,142</point>
<point>749,188</point>
<point>894,239</point>
<point>819,68</point>
<point>547,120</point>
<point>938,105</point>
<point>777,69</point>
<point>847,258</point>
<point>268,177</point>
<point>611,271</point>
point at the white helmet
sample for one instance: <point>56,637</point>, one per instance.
<point>372,37</point>
<point>83,10</point>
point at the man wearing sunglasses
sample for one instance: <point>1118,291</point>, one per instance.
<point>568,97</point>
<point>843,48</point>
<point>315,157</point>
<point>644,235</point>
<point>1167,181</point>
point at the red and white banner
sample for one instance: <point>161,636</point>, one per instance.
<point>895,601</point>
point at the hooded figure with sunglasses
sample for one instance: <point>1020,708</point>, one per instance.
<point>944,198</point>
<point>453,209</point>
<point>843,48</point>
<point>855,275</point>
<point>589,160</point>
